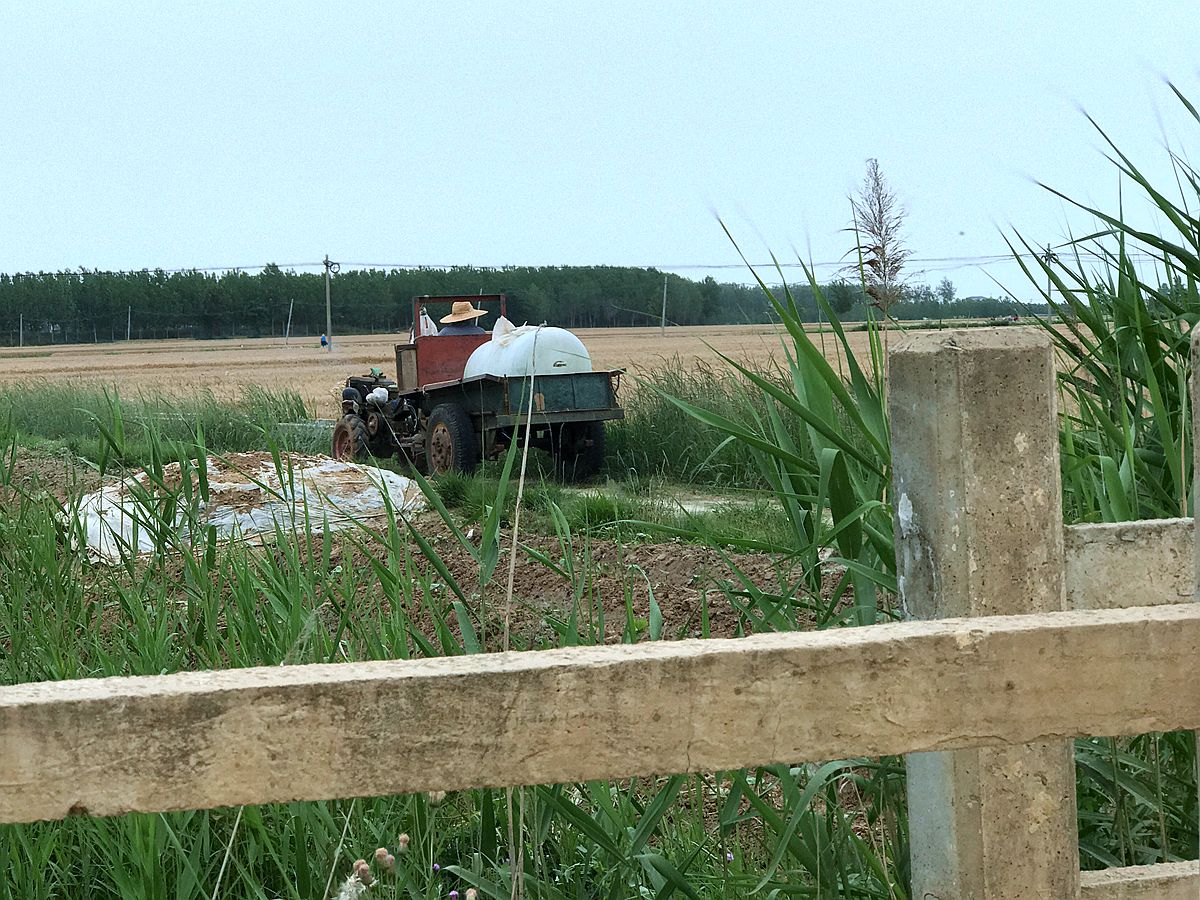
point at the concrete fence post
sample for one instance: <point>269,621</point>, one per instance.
<point>978,519</point>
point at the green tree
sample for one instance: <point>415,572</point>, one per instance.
<point>945,291</point>
<point>842,296</point>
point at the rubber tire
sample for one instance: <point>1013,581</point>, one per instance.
<point>450,422</point>
<point>380,446</point>
<point>575,461</point>
<point>351,430</point>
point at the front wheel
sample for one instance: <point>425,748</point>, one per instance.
<point>451,444</point>
<point>351,441</point>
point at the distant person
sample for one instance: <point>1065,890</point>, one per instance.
<point>324,341</point>
<point>462,319</point>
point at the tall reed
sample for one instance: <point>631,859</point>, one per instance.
<point>1127,300</point>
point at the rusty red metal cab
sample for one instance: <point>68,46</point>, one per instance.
<point>430,359</point>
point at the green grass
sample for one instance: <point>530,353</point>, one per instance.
<point>632,510</point>
<point>58,414</point>
<point>812,437</point>
<point>235,606</point>
<point>1127,453</point>
<point>298,602</point>
<point>658,438</point>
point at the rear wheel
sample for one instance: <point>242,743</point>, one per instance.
<point>450,441</point>
<point>578,450</point>
<point>351,442</point>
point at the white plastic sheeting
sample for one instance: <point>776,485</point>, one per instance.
<point>246,501</point>
<point>528,350</point>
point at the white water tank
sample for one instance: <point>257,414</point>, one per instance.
<point>528,350</point>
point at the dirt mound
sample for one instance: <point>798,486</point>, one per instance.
<point>60,474</point>
<point>611,585</point>
<point>249,496</point>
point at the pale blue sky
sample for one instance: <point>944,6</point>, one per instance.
<point>153,134</point>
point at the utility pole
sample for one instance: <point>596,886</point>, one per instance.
<point>662,328</point>
<point>22,338</point>
<point>331,268</point>
<point>1049,258</point>
<point>288,333</point>
<point>128,321</point>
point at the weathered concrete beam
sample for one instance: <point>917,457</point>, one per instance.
<point>204,739</point>
<point>1145,563</point>
<point>978,523</point>
<point>1166,881</point>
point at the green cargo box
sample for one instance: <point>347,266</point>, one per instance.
<point>501,402</point>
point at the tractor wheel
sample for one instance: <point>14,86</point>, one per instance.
<point>351,442</point>
<point>378,429</point>
<point>451,444</point>
<point>579,450</point>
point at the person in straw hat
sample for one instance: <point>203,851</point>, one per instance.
<point>462,319</point>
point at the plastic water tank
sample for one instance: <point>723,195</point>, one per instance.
<point>529,350</point>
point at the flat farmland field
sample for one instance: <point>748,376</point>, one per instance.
<point>227,367</point>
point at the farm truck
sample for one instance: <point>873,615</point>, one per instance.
<point>442,417</point>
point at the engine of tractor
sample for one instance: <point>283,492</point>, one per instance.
<point>376,400</point>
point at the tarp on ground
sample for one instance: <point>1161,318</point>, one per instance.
<point>246,500</point>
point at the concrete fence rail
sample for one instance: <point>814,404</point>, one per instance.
<point>205,739</point>
<point>1023,634</point>
<point>1146,563</point>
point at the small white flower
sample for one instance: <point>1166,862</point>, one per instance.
<point>351,889</point>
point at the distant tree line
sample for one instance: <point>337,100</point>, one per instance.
<point>68,307</point>
<point>920,301</point>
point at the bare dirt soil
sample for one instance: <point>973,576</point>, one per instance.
<point>227,367</point>
<point>57,474</point>
<point>682,578</point>
<point>616,580</point>
<point>616,583</point>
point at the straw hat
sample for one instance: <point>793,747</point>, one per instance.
<point>461,311</point>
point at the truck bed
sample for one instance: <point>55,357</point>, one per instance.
<point>501,401</point>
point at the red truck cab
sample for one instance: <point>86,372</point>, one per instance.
<point>436,359</point>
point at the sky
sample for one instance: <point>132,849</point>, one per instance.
<point>216,134</point>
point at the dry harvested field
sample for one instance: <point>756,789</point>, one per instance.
<point>226,366</point>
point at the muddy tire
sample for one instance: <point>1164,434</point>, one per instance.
<point>351,442</point>
<point>578,451</point>
<point>451,444</point>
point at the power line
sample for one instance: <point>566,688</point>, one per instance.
<point>959,261</point>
